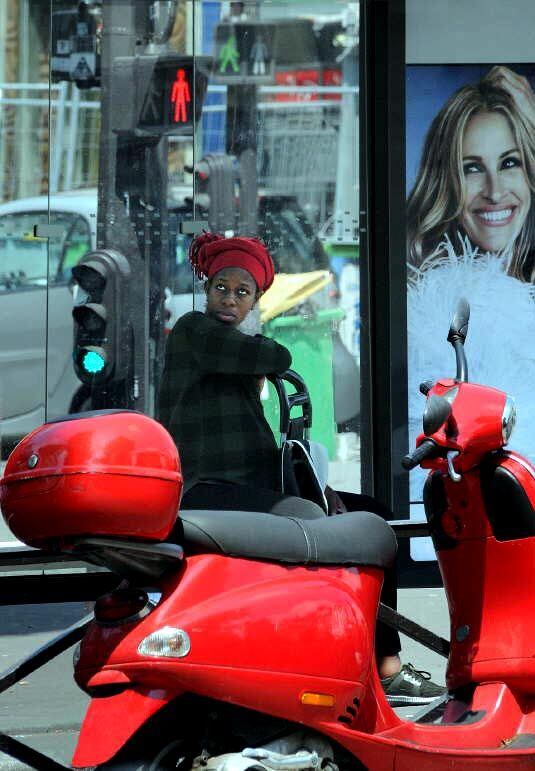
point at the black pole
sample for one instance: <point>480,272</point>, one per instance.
<point>241,140</point>
<point>384,412</point>
<point>114,228</point>
<point>132,212</point>
<point>45,653</point>
<point>29,756</point>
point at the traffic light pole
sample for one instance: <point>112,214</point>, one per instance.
<point>113,224</point>
<point>241,141</point>
<point>132,215</point>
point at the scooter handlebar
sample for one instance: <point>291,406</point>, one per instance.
<point>423,451</point>
<point>301,398</point>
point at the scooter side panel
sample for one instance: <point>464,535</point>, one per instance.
<point>490,584</point>
<point>252,640</point>
<point>224,604</point>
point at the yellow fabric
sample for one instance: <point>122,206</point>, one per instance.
<point>290,289</point>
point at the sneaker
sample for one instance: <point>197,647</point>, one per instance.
<point>410,686</point>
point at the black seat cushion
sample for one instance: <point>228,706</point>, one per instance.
<point>355,538</point>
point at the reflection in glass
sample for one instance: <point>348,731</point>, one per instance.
<point>289,140</point>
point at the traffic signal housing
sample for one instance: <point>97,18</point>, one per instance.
<point>214,190</point>
<point>102,332</point>
<point>158,94</point>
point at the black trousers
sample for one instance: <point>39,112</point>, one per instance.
<point>231,497</point>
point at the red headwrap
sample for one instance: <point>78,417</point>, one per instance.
<point>209,253</point>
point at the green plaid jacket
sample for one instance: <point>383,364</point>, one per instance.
<point>210,403</point>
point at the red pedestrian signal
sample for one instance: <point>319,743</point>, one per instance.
<point>180,97</point>
<point>157,94</point>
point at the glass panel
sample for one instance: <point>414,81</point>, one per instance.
<point>282,103</point>
<point>24,158</point>
<point>275,155</point>
<point>132,129</point>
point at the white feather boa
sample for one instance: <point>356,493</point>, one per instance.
<point>500,346</point>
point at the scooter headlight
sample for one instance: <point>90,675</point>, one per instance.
<point>169,642</point>
<point>508,418</point>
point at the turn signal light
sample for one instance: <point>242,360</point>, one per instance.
<point>317,699</point>
<point>121,605</point>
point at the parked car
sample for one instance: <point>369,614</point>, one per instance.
<point>37,379</point>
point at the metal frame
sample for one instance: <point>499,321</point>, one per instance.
<point>10,746</point>
<point>384,409</point>
<point>28,582</point>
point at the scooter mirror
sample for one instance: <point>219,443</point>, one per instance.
<point>457,336</point>
<point>437,411</point>
<point>459,325</point>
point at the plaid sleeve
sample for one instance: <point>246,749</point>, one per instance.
<point>225,350</point>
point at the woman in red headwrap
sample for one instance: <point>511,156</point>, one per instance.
<point>210,403</point>
<point>210,392</point>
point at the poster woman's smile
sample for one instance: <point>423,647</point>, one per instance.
<point>496,192</point>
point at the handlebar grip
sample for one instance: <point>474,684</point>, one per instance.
<point>424,450</point>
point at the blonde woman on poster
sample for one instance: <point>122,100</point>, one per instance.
<point>477,175</point>
<point>471,232</point>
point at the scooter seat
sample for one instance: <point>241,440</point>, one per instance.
<point>355,538</point>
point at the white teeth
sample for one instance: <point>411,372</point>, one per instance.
<point>495,216</point>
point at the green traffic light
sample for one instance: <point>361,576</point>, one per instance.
<point>93,362</point>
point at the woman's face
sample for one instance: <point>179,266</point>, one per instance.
<point>497,196</point>
<point>230,295</point>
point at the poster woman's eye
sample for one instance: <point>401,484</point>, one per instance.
<point>511,162</point>
<point>472,167</point>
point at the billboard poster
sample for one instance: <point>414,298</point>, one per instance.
<point>470,149</point>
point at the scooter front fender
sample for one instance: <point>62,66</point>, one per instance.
<point>110,721</point>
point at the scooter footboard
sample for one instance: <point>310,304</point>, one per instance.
<point>110,721</point>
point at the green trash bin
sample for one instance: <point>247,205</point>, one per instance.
<point>310,341</point>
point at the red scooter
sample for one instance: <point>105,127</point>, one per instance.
<point>247,641</point>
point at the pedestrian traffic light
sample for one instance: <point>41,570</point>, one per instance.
<point>244,53</point>
<point>102,346</point>
<point>158,94</point>
<point>213,190</point>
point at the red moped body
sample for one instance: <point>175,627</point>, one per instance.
<point>483,527</point>
<point>297,642</point>
<point>252,643</point>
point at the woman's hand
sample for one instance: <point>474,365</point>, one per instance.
<point>517,86</point>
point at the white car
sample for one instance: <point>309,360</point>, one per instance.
<point>37,379</point>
